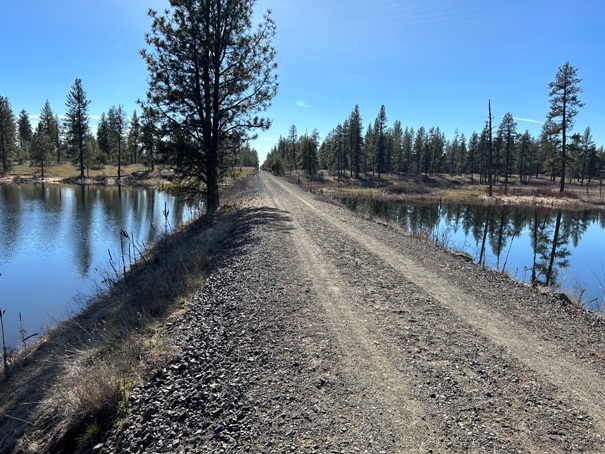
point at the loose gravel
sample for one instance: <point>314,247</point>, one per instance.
<point>321,332</point>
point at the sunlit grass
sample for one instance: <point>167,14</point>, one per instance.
<point>66,170</point>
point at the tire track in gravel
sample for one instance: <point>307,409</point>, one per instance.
<point>362,347</point>
<point>576,380</point>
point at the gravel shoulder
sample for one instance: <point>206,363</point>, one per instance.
<point>319,331</point>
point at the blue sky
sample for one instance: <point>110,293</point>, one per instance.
<point>430,62</point>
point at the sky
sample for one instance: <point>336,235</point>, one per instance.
<point>431,63</point>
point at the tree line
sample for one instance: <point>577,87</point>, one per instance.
<point>499,152</point>
<point>119,140</point>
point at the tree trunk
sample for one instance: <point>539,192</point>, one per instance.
<point>212,190</point>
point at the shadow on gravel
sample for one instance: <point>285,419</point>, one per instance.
<point>35,372</point>
<point>274,219</point>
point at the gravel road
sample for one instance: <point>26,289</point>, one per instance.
<point>319,331</point>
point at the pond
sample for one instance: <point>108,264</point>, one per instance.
<point>56,242</point>
<point>560,249</point>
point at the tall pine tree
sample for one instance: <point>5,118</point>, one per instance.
<point>564,106</point>
<point>210,75</point>
<point>8,135</point>
<point>76,122</point>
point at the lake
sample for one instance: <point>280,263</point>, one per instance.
<point>560,249</point>
<point>56,241</point>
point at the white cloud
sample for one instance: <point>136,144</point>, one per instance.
<point>302,104</point>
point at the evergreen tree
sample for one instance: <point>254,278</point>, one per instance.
<point>564,105</point>
<point>43,148</point>
<point>293,149</point>
<point>210,74</point>
<point>419,147</point>
<point>588,155</point>
<point>407,150</point>
<point>149,138</point>
<point>24,137</point>
<point>134,138</point>
<point>508,132</point>
<point>462,152</point>
<point>398,164</point>
<point>473,154</point>
<point>549,144</point>
<point>356,140</point>
<point>452,152</point>
<point>77,123</point>
<point>490,168</point>
<point>309,145</point>
<point>50,127</point>
<point>524,153</point>
<point>380,129</point>
<point>104,139</point>
<point>8,135</point>
<point>370,150</point>
<point>117,121</point>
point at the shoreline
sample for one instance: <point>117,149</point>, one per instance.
<point>540,193</point>
<point>135,178</point>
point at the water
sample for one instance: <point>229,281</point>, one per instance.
<point>55,242</point>
<point>560,249</point>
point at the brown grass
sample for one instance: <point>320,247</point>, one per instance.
<point>456,188</point>
<point>71,386</point>
<point>66,170</point>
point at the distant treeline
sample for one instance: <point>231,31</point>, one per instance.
<point>379,149</point>
<point>117,140</point>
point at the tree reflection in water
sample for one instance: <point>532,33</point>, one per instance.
<point>543,238</point>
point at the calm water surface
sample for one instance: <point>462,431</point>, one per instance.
<point>561,249</point>
<point>55,242</point>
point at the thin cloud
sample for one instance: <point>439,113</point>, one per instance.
<point>528,120</point>
<point>302,104</point>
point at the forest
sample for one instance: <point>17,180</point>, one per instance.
<point>118,139</point>
<point>350,150</point>
<point>498,151</point>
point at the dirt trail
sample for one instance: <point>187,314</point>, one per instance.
<point>573,381</point>
<point>320,331</point>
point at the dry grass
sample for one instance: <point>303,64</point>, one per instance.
<point>66,170</point>
<point>82,373</point>
<point>457,188</point>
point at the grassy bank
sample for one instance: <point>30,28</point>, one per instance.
<point>62,393</point>
<point>539,191</point>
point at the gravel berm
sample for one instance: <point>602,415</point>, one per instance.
<point>321,332</point>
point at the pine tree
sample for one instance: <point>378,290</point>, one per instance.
<point>134,138</point>
<point>8,135</point>
<point>25,135</point>
<point>508,131</point>
<point>588,154</point>
<point>77,123</point>
<point>397,147</point>
<point>43,148</point>
<point>51,127</point>
<point>308,149</point>
<point>380,129</point>
<point>356,140</point>
<point>149,138</point>
<point>419,146</point>
<point>564,105</point>
<point>524,152</point>
<point>210,74</point>
<point>116,118</point>
<point>293,149</point>
<point>104,140</point>
<point>408,140</point>
<point>473,153</point>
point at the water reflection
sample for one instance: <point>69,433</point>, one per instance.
<point>556,248</point>
<point>56,240</point>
